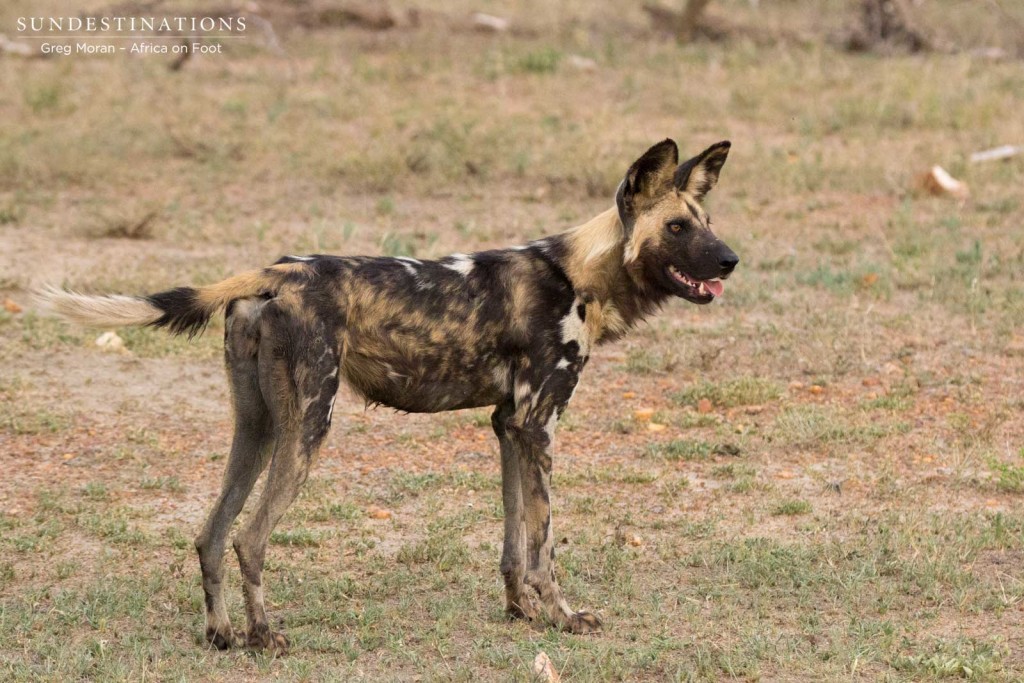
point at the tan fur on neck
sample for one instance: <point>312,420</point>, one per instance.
<point>595,253</point>
<point>595,267</point>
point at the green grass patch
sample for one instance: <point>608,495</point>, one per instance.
<point>814,425</point>
<point>409,484</point>
<point>681,449</point>
<point>867,278</point>
<point>647,362</point>
<point>171,484</point>
<point>16,419</point>
<point>733,470</point>
<point>742,391</point>
<point>765,563</point>
<point>95,491</point>
<point>791,508</point>
<point>443,549</point>
<point>345,511</point>
<point>695,420</point>
<point>1009,476</point>
<point>113,526</point>
<point>746,483</point>
<point>540,61</point>
<point>297,538</point>
<point>899,398</point>
<point>605,475</point>
<point>959,658</point>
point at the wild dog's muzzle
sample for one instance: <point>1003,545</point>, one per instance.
<point>706,283</point>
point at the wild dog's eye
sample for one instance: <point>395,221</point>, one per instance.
<point>676,228</point>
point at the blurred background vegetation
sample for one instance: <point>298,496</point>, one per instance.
<point>825,481</point>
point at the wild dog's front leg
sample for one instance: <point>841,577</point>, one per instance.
<point>519,602</point>
<point>540,544</point>
<point>532,432</point>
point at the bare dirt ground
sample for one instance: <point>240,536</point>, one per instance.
<point>819,477</point>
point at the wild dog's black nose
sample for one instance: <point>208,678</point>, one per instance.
<point>727,260</point>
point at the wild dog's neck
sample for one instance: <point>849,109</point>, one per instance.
<point>594,260</point>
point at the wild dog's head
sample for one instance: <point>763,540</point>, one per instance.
<point>670,248</point>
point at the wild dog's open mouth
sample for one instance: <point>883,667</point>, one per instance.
<point>698,291</point>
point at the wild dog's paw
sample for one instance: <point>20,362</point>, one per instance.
<point>224,638</point>
<point>522,607</point>
<point>582,623</point>
<point>262,638</point>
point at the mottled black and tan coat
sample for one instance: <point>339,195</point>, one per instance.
<point>510,328</point>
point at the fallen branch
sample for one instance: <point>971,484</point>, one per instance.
<point>997,153</point>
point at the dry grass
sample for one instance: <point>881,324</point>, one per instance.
<point>849,508</point>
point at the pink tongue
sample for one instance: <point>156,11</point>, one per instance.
<point>715,287</point>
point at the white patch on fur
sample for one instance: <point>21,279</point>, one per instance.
<point>574,329</point>
<point>460,263</point>
<point>522,390</point>
<point>300,258</point>
<point>330,411</point>
<point>544,244</point>
<point>562,364</point>
<point>99,311</point>
<point>500,374</point>
<point>551,425</point>
<point>410,264</point>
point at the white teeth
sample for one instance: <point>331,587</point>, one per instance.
<point>687,280</point>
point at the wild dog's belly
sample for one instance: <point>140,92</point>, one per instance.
<point>425,387</point>
<point>434,397</point>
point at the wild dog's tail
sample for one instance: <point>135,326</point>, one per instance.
<point>183,310</point>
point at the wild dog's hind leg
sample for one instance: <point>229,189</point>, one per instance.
<point>300,389</point>
<point>250,451</point>
<point>539,404</point>
<point>519,602</point>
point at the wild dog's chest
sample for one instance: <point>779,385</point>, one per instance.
<point>575,335</point>
<point>581,329</point>
<point>588,322</point>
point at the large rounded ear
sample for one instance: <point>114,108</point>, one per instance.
<point>645,179</point>
<point>698,175</point>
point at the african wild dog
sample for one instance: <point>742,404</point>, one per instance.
<point>511,328</point>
